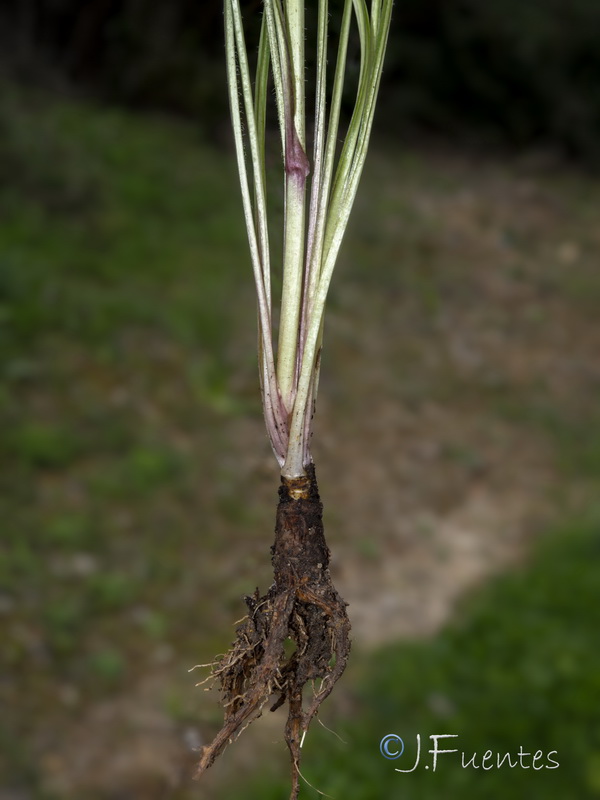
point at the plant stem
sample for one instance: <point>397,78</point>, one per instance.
<point>313,236</point>
<point>296,171</point>
<point>302,604</point>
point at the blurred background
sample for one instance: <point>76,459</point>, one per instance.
<point>457,436</point>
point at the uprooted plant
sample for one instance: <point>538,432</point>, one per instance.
<point>302,604</point>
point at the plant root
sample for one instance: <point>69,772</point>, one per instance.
<point>302,605</point>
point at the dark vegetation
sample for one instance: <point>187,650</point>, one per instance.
<point>501,72</point>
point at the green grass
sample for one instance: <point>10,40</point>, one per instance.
<point>135,503</point>
<point>102,216</point>
<point>520,667</point>
<point>121,259</point>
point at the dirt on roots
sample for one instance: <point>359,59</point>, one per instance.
<point>301,606</point>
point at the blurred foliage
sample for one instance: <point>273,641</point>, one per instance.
<point>503,70</point>
<point>523,72</point>
<point>520,668</point>
<point>82,198</point>
<point>125,294</point>
<point>117,248</point>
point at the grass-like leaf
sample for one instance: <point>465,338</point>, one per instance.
<point>313,230</point>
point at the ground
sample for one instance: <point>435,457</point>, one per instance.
<point>459,375</point>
